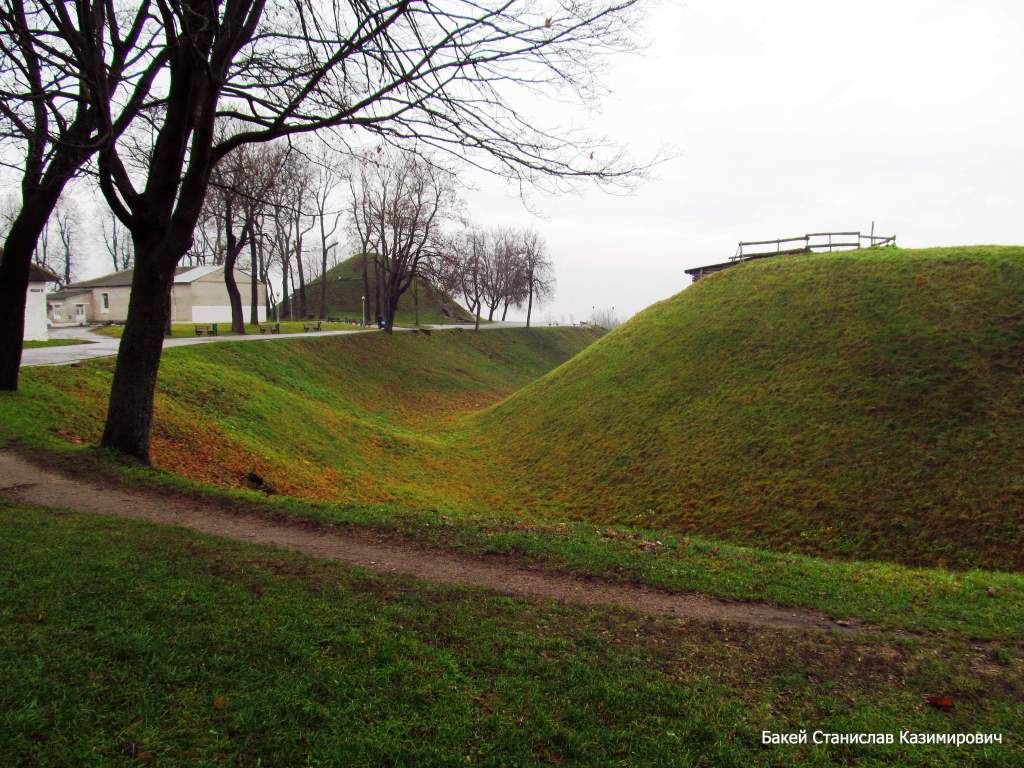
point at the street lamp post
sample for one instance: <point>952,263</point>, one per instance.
<point>363,316</point>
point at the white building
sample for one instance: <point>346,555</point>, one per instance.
<point>198,296</point>
<point>35,303</point>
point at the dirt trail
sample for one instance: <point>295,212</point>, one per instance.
<point>24,481</point>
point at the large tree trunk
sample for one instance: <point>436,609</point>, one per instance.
<point>390,309</point>
<point>285,307</point>
<point>387,301</point>
<point>130,410</point>
<point>504,312</point>
<point>529,305</point>
<point>366,290</point>
<point>168,327</point>
<point>254,293</point>
<point>323,285</point>
<point>376,289</point>
<point>230,257</point>
<point>234,295</point>
<point>15,262</point>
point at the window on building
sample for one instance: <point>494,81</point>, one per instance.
<point>105,297</point>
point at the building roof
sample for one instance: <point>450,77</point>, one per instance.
<point>66,293</point>
<point>123,279</point>
<point>38,274</point>
<point>107,281</point>
<point>191,274</point>
<point>710,267</point>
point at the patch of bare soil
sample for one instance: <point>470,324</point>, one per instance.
<point>23,480</point>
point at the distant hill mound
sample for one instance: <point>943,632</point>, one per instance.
<point>867,404</point>
<point>345,291</point>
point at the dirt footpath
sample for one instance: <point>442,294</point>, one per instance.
<point>24,481</point>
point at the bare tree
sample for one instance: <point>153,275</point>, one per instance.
<point>239,195</point>
<point>118,243</point>
<point>232,179</point>
<point>403,201</point>
<point>327,179</point>
<point>54,247</point>
<point>456,268</point>
<point>538,271</point>
<point>67,224</point>
<point>73,75</point>
<point>258,271</point>
<point>9,208</point>
<point>605,317</point>
<point>504,279</point>
<point>302,224</point>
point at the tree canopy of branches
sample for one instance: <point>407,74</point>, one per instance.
<point>238,198</point>
<point>400,203</point>
<point>423,74</point>
<point>457,268</point>
<point>118,244</point>
<point>73,75</point>
<point>55,248</point>
<point>537,270</point>
<point>495,268</point>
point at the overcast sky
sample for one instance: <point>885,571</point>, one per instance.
<point>788,117</point>
<point>791,117</point>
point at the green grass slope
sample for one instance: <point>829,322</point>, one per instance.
<point>363,418</point>
<point>866,404</point>
<point>345,291</point>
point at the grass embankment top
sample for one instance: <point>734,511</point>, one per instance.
<point>865,404</point>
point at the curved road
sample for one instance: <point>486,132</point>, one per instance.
<point>105,346</point>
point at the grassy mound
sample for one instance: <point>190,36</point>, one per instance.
<point>364,418</point>
<point>865,404</point>
<point>345,292</point>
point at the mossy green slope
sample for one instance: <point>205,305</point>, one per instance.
<point>345,291</point>
<point>361,418</point>
<point>866,404</point>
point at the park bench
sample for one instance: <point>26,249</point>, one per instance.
<point>270,328</point>
<point>209,329</point>
<point>307,327</point>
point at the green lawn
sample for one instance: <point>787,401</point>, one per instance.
<point>187,330</point>
<point>27,344</point>
<point>123,643</point>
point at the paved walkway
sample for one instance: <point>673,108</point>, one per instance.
<point>105,346</point>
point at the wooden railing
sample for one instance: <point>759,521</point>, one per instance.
<point>814,241</point>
